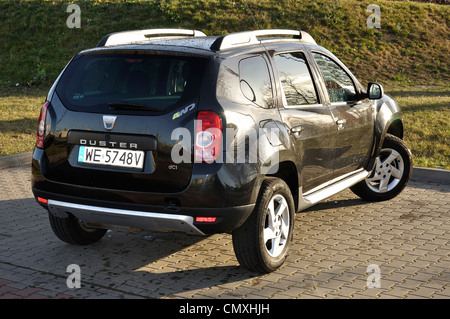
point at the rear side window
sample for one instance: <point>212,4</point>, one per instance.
<point>255,81</point>
<point>296,82</point>
<point>94,82</point>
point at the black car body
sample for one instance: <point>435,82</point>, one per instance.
<point>171,130</point>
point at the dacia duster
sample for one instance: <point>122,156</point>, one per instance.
<point>173,130</point>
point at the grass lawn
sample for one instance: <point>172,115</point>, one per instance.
<point>426,117</point>
<point>426,120</point>
<point>19,113</point>
<point>411,48</point>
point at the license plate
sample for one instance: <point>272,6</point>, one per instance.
<point>111,157</point>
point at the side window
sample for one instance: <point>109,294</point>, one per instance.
<point>255,81</point>
<point>297,84</point>
<point>339,85</point>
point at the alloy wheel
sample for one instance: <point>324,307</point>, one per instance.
<point>388,172</point>
<point>276,226</point>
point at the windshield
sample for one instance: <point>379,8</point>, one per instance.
<point>101,82</point>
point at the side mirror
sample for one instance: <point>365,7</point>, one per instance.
<point>375,91</point>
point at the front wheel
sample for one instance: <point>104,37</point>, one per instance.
<point>262,243</point>
<point>393,169</point>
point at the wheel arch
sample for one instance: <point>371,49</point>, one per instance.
<point>287,171</point>
<point>396,128</point>
<point>388,121</point>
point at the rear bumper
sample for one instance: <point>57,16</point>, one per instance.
<point>207,196</point>
<point>122,217</point>
<point>156,219</point>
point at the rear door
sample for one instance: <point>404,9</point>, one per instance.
<point>310,122</point>
<point>354,124</point>
<point>112,121</point>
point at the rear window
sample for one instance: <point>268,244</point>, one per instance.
<point>100,82</point>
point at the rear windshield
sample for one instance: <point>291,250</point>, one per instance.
<point>101,82</point>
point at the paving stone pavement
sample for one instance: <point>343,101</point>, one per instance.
<point>340,247</point>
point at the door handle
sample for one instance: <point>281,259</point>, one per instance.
<point>297,130</point>
<point>340,123</point>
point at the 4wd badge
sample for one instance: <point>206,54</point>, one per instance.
<point>183,111</point>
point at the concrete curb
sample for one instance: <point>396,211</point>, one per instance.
<point>15,160</point>
<point>431,175</point>
<point>420,174</point>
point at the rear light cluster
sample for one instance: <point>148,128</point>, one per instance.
<point>41,126</point>
<point>208,137</point>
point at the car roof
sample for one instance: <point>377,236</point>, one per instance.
<point>195,42</point>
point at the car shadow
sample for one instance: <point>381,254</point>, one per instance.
<point>155,265</point>
<point>145,264</point>
<point>133,265</point>
<point>335,204</point>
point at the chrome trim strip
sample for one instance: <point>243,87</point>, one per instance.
<point>330,188</point>
<point>123,217</point>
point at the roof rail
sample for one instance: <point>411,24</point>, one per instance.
<point>237,39</point>
<point>126,37</point>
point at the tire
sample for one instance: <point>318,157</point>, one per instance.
<point>392,172</point>
<point>72,231</point>
<point>262,243</point>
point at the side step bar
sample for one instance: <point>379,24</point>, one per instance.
<point>330,188</point>
<point>128,218</point>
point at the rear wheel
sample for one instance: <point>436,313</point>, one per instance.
<point>73,231</point>
<point>262,243</point>
<point>393,169</point>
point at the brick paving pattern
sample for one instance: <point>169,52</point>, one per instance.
<point>334,244</point>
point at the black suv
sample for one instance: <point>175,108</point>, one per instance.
<point>173,130</point>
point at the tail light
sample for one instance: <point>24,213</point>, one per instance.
<point>208,137</point>
<point>41,126</point>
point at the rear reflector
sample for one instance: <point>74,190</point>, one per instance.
<point>42,200</point>
<point>205,219</point>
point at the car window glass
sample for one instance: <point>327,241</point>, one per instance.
<point>255,81</point>
<point>339,85</point>
<point>93,81</point>
<point>297,84</point>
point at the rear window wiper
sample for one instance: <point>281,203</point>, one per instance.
<point>131,106</point>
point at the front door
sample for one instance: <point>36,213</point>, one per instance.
<point>353,116</point>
